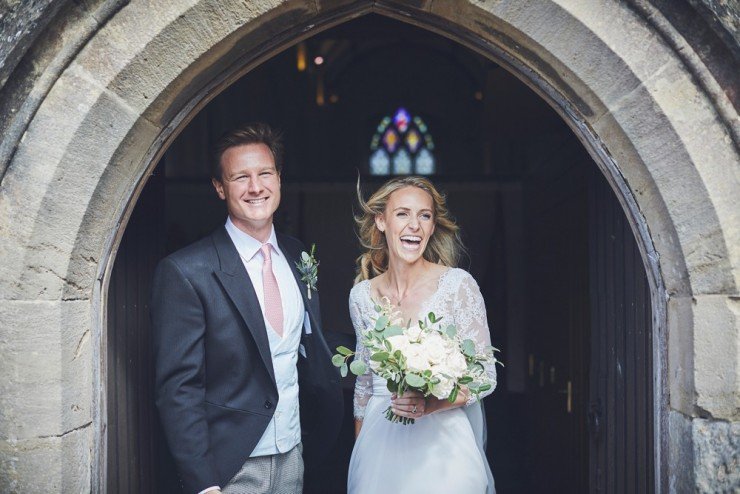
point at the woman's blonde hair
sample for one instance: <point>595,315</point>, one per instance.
<point>444,247</point>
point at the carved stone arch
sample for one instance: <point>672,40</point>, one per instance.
<point>657,126</point>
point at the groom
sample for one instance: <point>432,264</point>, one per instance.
<point>236,338</point>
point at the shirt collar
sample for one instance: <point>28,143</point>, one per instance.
<point>247,245</point>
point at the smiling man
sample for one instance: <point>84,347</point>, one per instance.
<point>238,344</point>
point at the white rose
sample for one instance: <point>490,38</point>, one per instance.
<point>456,365</point>
<point>415,359</point>
<point>443,389</point>
<point>413,332</point>
<point>435,348</point>
<point>399,342</point>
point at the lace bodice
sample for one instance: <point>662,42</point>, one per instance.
<point>457,299</point>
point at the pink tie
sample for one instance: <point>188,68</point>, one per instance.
<point>273,302</point>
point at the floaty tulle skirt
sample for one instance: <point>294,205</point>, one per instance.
<point>440,453</point>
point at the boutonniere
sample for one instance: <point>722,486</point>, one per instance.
<point>308,266</point>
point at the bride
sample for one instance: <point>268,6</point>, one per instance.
<point>412,246</point>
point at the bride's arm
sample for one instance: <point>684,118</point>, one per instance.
<point>363,383</point>
<point>472,322</point>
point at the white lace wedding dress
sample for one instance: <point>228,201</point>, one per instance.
<point>442,452</point>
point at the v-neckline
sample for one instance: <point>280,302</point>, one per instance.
<point>423,305</point>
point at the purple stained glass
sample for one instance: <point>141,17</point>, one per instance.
<point>401,120</point>
<point>391,140</point>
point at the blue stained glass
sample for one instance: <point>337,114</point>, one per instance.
<point>379,163</point>
<point>425,162</point>
<point>402,119</point>
<point>402,163</point>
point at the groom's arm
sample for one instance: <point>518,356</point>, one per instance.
<point>179,328</point>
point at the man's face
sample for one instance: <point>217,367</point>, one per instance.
<point>250,185</point>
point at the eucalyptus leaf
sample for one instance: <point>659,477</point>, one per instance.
<point>451,330</point>
<point>453,394</point>
<point>381,323</point>
<point>343,370</point>
<point>380,356</point>
<point>392,331</point>
<point>305,257</point>
<point>344,350</point>
<point>465,380</point>
<point>392,386</point>
<point>432,318</point>
<point>337,360</point>
<point>483,388</point>
<point>358,367</point>
<point>415,381</point>
<point>468,348</point>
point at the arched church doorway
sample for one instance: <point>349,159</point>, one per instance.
<point>550,246</point>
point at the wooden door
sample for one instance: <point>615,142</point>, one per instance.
<point>557,333</point>
<point>620,402</point>
<point>138,460</point>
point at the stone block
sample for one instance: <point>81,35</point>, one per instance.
<point>46,364</point>
<point>716,368</point>
<point>48,464</point>
<point>681,354</point>
<point>680,452</point>
<point>716,455</point>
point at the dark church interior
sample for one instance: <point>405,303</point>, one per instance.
<point>536,216</point>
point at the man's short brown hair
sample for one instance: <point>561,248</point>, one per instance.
<point>250,133</point>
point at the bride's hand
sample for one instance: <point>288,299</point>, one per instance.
<point>412,405</point>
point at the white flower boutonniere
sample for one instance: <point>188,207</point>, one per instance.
<point>308,266</point>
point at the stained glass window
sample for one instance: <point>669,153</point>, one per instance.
<point>402,145</point>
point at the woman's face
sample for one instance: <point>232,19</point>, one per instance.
<point>408,223</point>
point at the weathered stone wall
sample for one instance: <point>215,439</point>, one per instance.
<point>103,105</point>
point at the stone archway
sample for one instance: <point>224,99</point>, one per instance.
<point>652,116</point>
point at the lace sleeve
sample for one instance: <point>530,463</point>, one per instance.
<point>363,383</point>
<point>472,322</point>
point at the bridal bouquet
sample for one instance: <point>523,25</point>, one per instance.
<point>428,357</point>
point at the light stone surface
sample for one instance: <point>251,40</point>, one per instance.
<point>716,369</point>
<point>46,366</point>
<point>681,354</point>
<point>47,464</point>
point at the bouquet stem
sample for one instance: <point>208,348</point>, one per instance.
<point>396,418</point>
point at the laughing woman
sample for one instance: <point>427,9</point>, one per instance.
<point>412,248</point>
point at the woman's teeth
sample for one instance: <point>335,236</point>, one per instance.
<point>411,241</point>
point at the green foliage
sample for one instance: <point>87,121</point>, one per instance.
<point>358,367</point>
<point>415,381</point>
<point>380,356</point>
<point>468,348</point>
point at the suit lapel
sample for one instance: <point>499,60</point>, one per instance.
<point>237,284</point>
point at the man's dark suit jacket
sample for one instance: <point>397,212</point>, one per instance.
<point>215,384</point>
